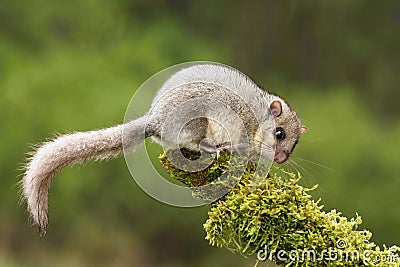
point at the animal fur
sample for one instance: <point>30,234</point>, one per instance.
<point>66,150</point>
<point>211,83</point>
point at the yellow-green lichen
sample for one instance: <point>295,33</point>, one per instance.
<point>280,215</point>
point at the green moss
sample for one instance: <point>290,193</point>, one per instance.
<point>280,215</point>
<point>218,184</point>
<point>195,179</point>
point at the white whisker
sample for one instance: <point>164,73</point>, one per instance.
<point>317,164</point>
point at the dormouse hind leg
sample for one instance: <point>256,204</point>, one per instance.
<point>209,146</point>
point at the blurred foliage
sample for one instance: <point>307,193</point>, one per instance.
<point>74,65</point>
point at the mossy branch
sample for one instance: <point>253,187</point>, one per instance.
<point>280,215</point>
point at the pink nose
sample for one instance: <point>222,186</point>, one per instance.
<point>280,156</point>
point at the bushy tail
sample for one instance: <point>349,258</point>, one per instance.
<point>68,149</point>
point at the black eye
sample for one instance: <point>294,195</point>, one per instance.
<point>279,133</point>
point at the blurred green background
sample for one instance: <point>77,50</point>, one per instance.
<point>74,65</point>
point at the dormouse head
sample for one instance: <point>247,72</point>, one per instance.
<point>288,129</point>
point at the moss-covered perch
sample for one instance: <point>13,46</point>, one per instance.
<point>280,222</point>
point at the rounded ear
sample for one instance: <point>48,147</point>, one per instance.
<point>303,129</point>
<point>276,108</point>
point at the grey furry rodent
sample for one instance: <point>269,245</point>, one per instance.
<point>200,98</point>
